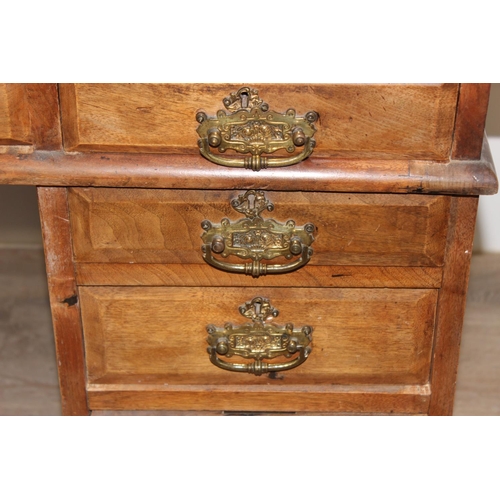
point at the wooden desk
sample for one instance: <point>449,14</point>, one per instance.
<point>390,191</point>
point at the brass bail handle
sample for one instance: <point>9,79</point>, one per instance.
<point>256,240</point>
<point>258,341</point>
<point>250,128</point>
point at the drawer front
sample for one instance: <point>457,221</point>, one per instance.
<point>373,121</point>
<point>148,226</point>
<point>155,336</point>
<point>14,118</point>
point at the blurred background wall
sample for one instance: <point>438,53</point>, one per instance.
<point>487,239</point>
<point>20,226</point>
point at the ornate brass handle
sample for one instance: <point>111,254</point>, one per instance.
<point>252,128</point>
<point>258,341</point>
<point>256,239</point>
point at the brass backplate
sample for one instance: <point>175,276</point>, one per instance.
<point>251,128</point>
<point>258,341</point>
<point>256,239</point>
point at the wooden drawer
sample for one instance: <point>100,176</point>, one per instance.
<point>151,342</point>
<point>139,230</point>
<point>356,121</point>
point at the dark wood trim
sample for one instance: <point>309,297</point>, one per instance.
<point>470,121</point>
<point>64,304</point>
<point>451,304</point>
<point>472,177</point>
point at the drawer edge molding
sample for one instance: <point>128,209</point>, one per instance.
<point>116,274</point>
<point>368,399</point>
<point>463,177</point>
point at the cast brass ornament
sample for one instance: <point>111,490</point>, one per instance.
<point>256,239</point>
<point>258,341</point>
<point>250,128</point>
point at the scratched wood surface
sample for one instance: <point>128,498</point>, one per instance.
<point>451,304</point>
<point>140,170</point>
<point>376,121</point>
<point>159,226</point>
<point>64,302</point>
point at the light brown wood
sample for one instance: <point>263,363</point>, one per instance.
<point>384,121</point>
<point>310,399</point>
<point>384,290</point>
<point>451,305</point>
<point>156,226</point>
<point>63,299</point>
<point>29,115</point>
<point>43,108</point>
<point>29,353</point>
<point>133,333</point>
<point>470,121</point>
<point>469,177</point>
<point>14,116</point>
<point>308,276</point>
<point>248,413</point>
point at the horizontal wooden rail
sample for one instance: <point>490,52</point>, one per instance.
<point>55,168</point>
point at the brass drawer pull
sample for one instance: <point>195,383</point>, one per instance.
<point>258,341</point>
<point>256,239</point>
<point>251,128</point>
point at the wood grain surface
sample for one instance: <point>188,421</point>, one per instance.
<point>96,273</point>
<point>160,226</point>
<point>468,177</point>
<point>29,115</point>
<point>384,292</point>
<point>223,413</point>
<point>451,304</point>
<point>28,367</point>
<point>14,117</point>
<point>376,121</point>
<point>157,335</point>
<point>470,121</point>
<point>63,299</point>
<point>310,399</point>
<point>43,107</point>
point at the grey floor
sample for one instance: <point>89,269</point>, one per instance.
<point>28,375</point>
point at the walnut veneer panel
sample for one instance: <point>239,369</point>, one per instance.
<point>146,335</point>
<point>376,121</point>
<point>163,226</point>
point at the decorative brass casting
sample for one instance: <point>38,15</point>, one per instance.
<point>252,128</point>
<point>258,341</point>
<point>256,239</point>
